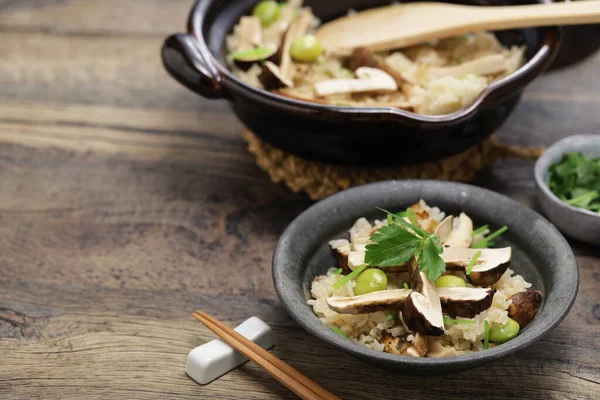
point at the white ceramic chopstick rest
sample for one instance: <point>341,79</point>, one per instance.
<point>215,358</point>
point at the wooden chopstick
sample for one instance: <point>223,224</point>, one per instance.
<point>284,373</point>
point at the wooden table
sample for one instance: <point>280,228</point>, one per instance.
<point>126,202</point>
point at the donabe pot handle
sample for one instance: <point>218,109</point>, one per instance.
<point>185,62</point>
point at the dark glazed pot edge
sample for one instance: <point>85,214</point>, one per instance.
<point>223,82</point>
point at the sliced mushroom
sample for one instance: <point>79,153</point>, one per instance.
<point>297,28</point>
<point>487,65</point>
<point>465,302</point>
<point>356,259</point>
<point>444,229</point>
<point>272,78</point>
<point>341,250</point>
<point>364,57</point>
<point>368,80</point>
<point>422,310</point>
<point>490,265</point>
<point>382,300</point>
<point>462,235</point>
<point>249,33</point>
<point>437,350</point>
<point>524,306</point>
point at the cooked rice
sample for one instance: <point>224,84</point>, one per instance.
<point>367,329</point>
<point>434,96</point>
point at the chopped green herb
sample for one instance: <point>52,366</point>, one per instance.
<point>397,243</point>
<point>347,71</point>
<point>391,317</point>
<point>576,180</point>
<point>339,332</point>
<point>480,230</point>
<point>473,261</point>
<point>460,321</point>
<point>260,52</point>
<point>485,242</point>
<point>390,219</point>
<point>486,334</point>
<point>342,281</point>
<point>459,60</point>
<point>405,285</point>
<point>337,271</point>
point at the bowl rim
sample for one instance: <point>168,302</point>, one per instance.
<point>543,164</point>
<point>462,362</point>
<point>223,77</point>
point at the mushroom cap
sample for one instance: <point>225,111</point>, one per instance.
<point>422,310</point>
<point>443,230</point>
<point>272,77</point>
<point>524,306</point>
<point>490,265</point>
<point>464,301</point>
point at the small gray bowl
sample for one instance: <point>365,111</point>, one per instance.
<point>540,254</point>
<point>573,221</point>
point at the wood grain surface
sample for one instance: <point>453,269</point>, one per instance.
<point>126,202</point>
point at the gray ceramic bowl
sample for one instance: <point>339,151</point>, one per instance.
<point>573,221</point>
<point>540,254</point>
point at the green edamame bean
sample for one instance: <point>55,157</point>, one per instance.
<point>449,281</point>
<point>503,333</point>
<point>306,48</point>
<point>267,11</point>
<point>370,280</point>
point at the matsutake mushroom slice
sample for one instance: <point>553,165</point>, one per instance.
<point>364,57</point>
<point>422,310</point>
<point>524,306</point>
<point>443,230</point>
<point>382,300</point>
<point>272,78</point>
<point>489,267</point>
<point>462,235</point>
<point>367,80</point>
<point>464,301</point>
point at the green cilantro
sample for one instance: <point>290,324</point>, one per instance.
<point>576,180</point>
<point>399,241</point>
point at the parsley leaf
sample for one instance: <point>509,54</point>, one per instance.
<point>399,241</point>
<point>393,245</point>
<point>576,180</point>
<point>430,261</point>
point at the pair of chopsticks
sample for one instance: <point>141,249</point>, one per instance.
<point>291,378</point>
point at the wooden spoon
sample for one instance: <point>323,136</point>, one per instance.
<point>401,25</point>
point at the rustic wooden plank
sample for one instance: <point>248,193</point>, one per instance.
<point>136,342</point>
<point>106,18</point>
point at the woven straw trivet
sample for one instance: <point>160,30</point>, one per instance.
<point>320,180</point>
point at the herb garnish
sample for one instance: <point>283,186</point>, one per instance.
<point>472,262</point>
<point>480,230</point>
<point>405,285</point>
<point>390,317</point>
<point>576,180</point>
<point>339,332</point>
<point>486,241</point>
<point>459,321</point>
<point>399,241</point>
<point>342,281</point>
<point>337,271</point>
